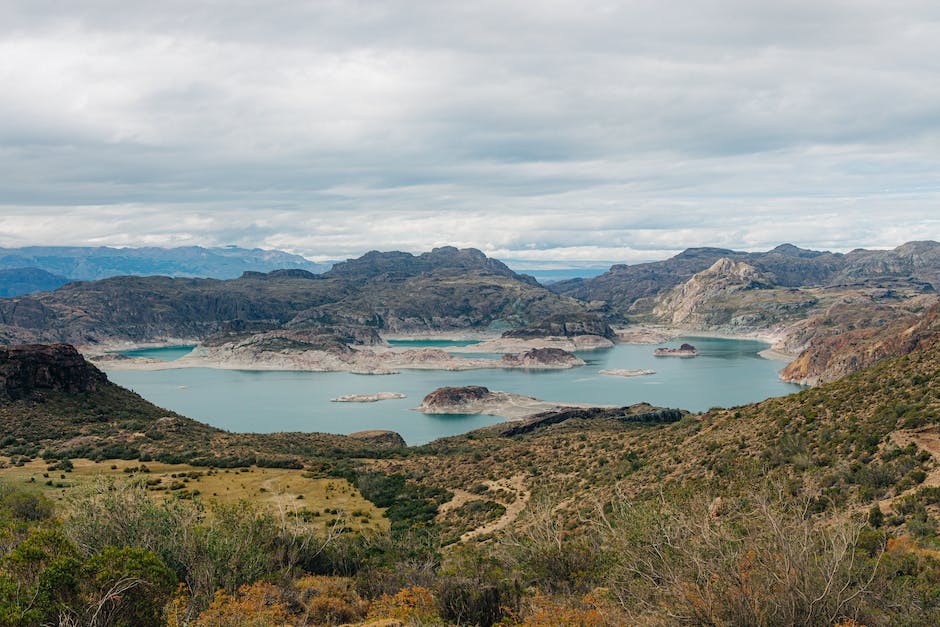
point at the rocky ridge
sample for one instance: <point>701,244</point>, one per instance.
<point>626,290</point>
<point>829,358</point>
<point>28,370</point>
<point>446,289</point>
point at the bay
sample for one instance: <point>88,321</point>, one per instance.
<point>726,373</point>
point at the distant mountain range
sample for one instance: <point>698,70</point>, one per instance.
<point>19,281</point>
<point>88,263</point>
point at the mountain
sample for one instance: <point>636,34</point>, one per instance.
<point>20,281</point>
<point>444,289</point>
<point>693,302</point>
<point>627,289</point>
<point>90,263</point>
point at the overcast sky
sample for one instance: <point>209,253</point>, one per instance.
<point>542,130</point>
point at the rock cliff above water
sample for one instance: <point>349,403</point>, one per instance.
<point>30,369</point>
<point>475,399</point>
<point>565,326</point>
<point>541,357</point>
<point>831,357</point>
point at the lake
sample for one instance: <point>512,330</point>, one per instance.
<point>726,373</point>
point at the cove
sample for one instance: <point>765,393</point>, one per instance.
<point>726,373</point>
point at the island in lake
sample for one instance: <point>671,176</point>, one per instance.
<point>618,372</point>
<point>686,350</point>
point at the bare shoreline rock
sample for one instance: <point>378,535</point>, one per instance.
<point>380,437</point>
<point>686,350</point>
<point>367,398</point>
<point>475,399</point>
<point>627,373</point>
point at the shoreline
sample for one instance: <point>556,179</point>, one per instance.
<point>489,342</point>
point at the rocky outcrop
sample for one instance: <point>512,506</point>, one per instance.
<point>33,368</point>
<point>566,326</point>
<point>455,400</point>
<point>831,357</point>
<point>685,350</point>
<point>641,413</point>
<point>475,399</point>
<point>316,337</point>
<point>693,304</point>
<point>542,357</point>
<point>380,437</point>
<point>368,398</point>
<point>617,372</point>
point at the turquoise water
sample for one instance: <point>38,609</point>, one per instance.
<point>165,353</point>
<point>726,373</point>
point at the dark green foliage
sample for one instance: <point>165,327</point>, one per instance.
<point>465,602</point>
<point>408,503</point>
<point>132,585</point>
<point>46,579</point>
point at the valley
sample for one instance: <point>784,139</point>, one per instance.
<point>557,467</point>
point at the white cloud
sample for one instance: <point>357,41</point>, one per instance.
<point>532,130</point>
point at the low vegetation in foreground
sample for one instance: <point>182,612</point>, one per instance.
<point>819,508</point>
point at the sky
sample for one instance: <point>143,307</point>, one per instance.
<point>547,132</point>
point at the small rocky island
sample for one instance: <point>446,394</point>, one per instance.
<point>686,350</point>
<point>367,398</point>
<point>543,358</point>
<point>617,372</point>
<point>476,399</point>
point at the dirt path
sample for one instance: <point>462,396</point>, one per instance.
<point>926,439</point>
<point>514,485</point>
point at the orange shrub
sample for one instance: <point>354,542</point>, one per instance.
<point>409,604</point>
<point>257,605</point>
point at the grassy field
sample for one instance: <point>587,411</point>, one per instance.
<point>320,501</point>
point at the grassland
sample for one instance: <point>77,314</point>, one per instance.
<point>319,501</point>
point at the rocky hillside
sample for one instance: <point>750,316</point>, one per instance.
<point>27,371</point>
<point>566,326</point>
<point>627,289</point>
<point>735,297</point>
<point>55,404</point>
<point>831,357</point>
<point>694,303</point>
<point>441,290</point>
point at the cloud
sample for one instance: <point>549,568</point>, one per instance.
<point>533,130</point>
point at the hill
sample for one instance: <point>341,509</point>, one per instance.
<point>90,263</point>
<point>586,516</point>
<point>55,404</point>
<point>628,289</point>
<point>441,290</point>
<point>20,281</point>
